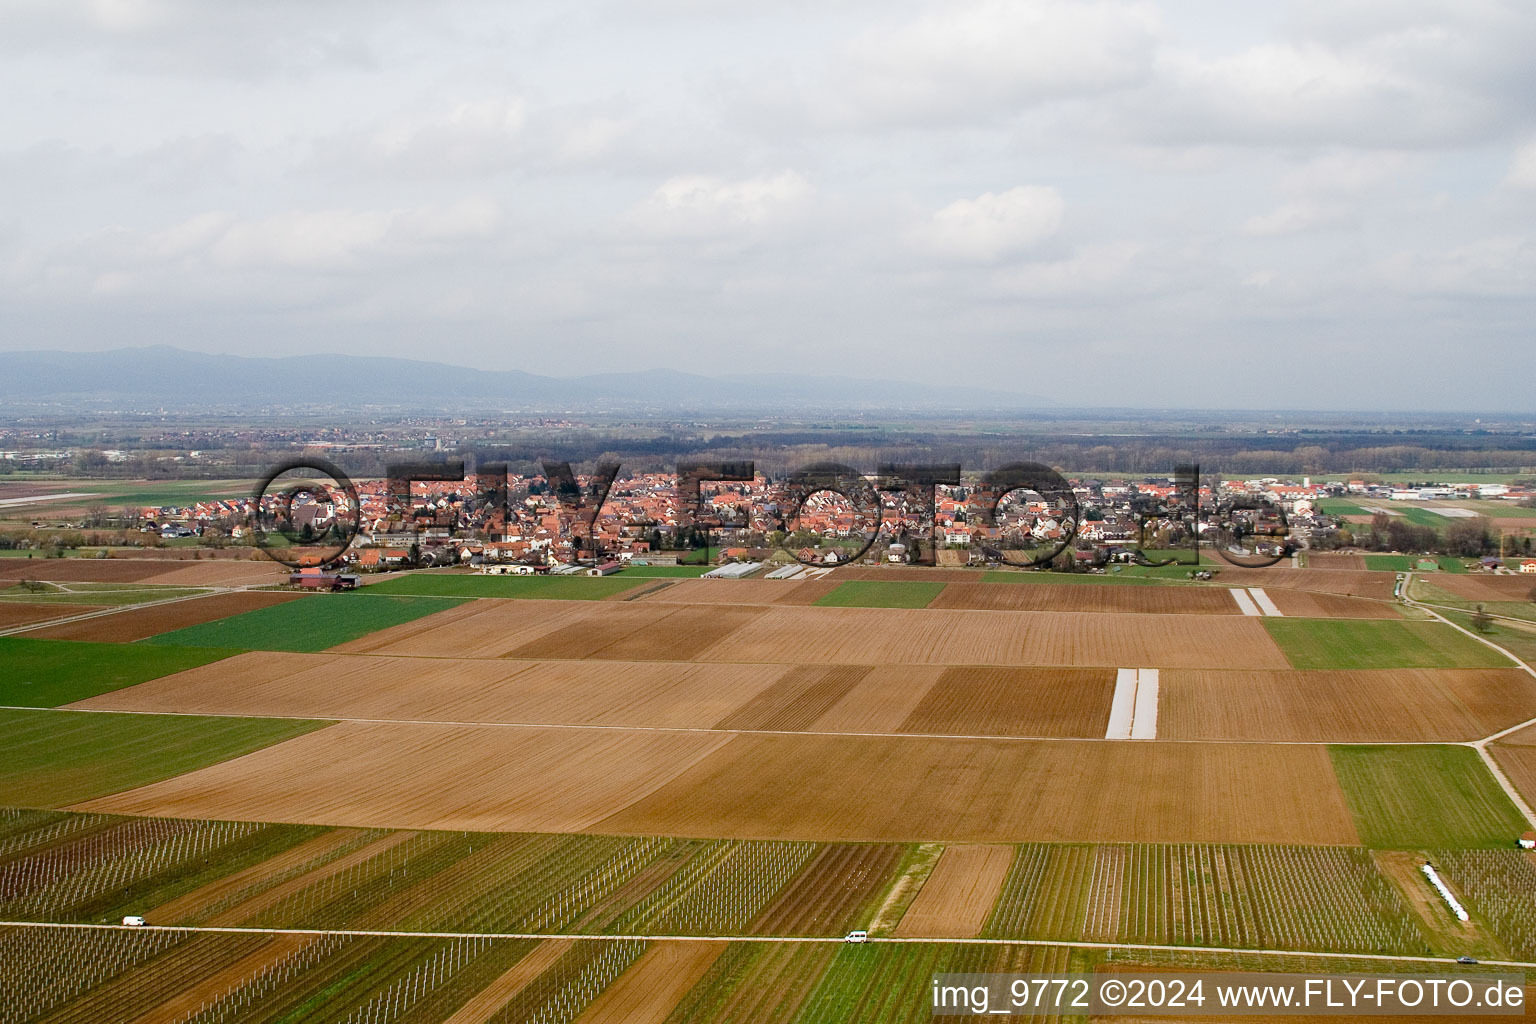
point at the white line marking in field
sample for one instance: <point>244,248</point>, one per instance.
<point>1144,723</point>
<point>1262,600</point>
<point>1244,602</point>
<point>1122,709</point>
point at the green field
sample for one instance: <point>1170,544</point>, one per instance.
<point>1519,642</point>
<point>543,588</point>
<point>1340,507</point>
<point>310,624</point>
<point>1420,796</point>
<point>1409,563</point>
<point>47,673</point>
<point>881,594</point>
<point>53,758</point>
<point>1378,643</point>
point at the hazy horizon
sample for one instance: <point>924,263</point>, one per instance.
<point>1113,203</point>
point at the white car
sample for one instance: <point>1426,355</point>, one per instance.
<point>857,936</point>
<point>133,921</point>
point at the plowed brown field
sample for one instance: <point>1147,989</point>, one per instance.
<point>477,778</point>
<point>647,992</point>
<point>1335,560</point>
<point>996,701</point>
<point>1487,588</point>
<point>84,570</point>
<point>648,694</point>
<point>137,623</point>
<point>1304,605</point>
<point>874,636</point>
<point>1349,583</point>
<point>767,786</point>
<point>223,573</point>
<point>477,629</point>
<point>1062,597</point>
<point>14,614</point>
<point>881,700</point>
<point>798,699</point>
<point>1384,706</point>
<point>957,898</point>
<point>988,791</point>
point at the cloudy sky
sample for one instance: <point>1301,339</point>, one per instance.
<point>1302,204</point>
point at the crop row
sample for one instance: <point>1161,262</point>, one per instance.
<point>1500,886</point>
<point>1278,897</point>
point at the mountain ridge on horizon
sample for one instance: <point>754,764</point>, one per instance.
<point>170,377</point>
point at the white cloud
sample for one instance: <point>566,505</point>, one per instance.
<point>969,57</point>
<point>1522,168</point>
<point>995,226</point>
<point>699,204</point>
<point>1497,266</point>
<point>1292,218</point>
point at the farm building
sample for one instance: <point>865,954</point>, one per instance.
<point>605,569</point>
<point>1529,565</point>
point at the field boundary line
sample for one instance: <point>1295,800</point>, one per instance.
<point>801,939</point>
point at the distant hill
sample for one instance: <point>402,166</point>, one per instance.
<point>137,379</point>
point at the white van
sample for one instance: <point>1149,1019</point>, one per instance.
<point>857,936</point>
<point>133,921</point>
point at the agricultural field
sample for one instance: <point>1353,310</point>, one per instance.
<point>142,623</point>
<point>608,778</point>
<point>1365,644</point>
<point>302,625</point>
<point>1268,897</point>
<point>55,758</point>
<point>47,673</point>
<point>871,594</point>
<point>70,597</point>
<point>1353,706</point>
<point>542,588</point>
<point>1425,796</point>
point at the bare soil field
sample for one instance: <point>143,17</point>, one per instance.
<point>1304,605</point>
<point>800,697</point>
<point>641,632</point>
<point>766,786</point>
<point>135,623</point>
<point>222,573</point>
<point>477,778</point>
<point>803,592</point>
<point>477,629</point>
<point>1349,583</point>
<point>646,694</point>
<point>84,570</point>
<point>19,614</point>
<point>998,701</point>
<point>957,898</point>
<point>1376,706</point>
<point>1335,560</point>
<point>1061,597</point>
<point>647,992</point>
<point>1516,754</point>
<point>1487,588</point>
<point>881,700</point>
<point>910,789</point>
<point>876,636</point>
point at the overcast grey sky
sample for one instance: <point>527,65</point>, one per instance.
<point>1307,203</point>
